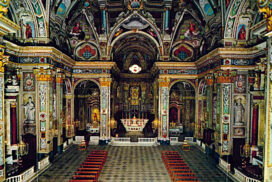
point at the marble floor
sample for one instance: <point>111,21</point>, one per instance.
<point>132,164</point>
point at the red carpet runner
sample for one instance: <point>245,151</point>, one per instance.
<point>90,169</point>
<point>177,167</point>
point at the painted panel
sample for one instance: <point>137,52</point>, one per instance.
<point>42,93</point>
<point>28,81</point>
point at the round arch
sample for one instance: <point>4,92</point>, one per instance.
<point>183,80</point>
<point>85,79</point>
<point>137,32</point>
<point>154,27</point>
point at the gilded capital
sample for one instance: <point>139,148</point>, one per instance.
<point>105,82</point>
<point>164,82</point>
<point>43,74</point>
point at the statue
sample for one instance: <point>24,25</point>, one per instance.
<point>14,80</point>
<point>239,112</point>
<point>29,111</point>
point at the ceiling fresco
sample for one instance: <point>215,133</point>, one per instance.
<point>133,31</point>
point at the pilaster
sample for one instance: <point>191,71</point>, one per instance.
<point>44,78</point>
<point>163,128</point>
<point>59,108</point>
<point>105,86</point>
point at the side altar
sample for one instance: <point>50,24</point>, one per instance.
<point>134,124</point>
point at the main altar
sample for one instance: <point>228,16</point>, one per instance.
<point>134,124</point>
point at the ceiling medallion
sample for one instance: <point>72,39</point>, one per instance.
<point>135,69</point>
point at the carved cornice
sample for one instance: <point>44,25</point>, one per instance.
<point>39,51</point>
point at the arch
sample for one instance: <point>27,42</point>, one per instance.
<point>85,79</point>
<point>138,32</point>
<point>154,27</point>
<point>183,80</point>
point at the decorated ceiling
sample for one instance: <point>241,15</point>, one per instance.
<point>137,32</point>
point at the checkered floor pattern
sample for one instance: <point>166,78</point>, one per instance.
<point>132,164</point>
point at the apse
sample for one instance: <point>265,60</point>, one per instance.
<point>134,49</point>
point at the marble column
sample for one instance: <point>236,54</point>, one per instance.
<point>163,129</point>
<point>105,86</point>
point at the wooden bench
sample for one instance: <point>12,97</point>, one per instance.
<point>92,177</point>
<point>89,169</point>
<point>91,166</point>
<point>87,173</point>
<point>182,178</point>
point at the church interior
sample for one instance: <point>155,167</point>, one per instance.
<point>144,81</point>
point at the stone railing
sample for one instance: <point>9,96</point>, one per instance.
<point>121,139</point>
<point>14,179</point>
<point>147,140</point>
<point>25,176</point>
<point>224,165</point>
<point>43,163</point>
<point>94,140</point>
<point>242,177</point>
<point>30,173</point>
<point>70,141</point>
<point>189,139</point>
<point>173,140</point>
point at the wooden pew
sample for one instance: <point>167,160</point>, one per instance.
<point>187,179</point>
<point>86,177</point>
<point>89,169</point>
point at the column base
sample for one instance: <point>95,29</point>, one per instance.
<point>164,141</point>
<point>104,142</point>
<point>60,149</point>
